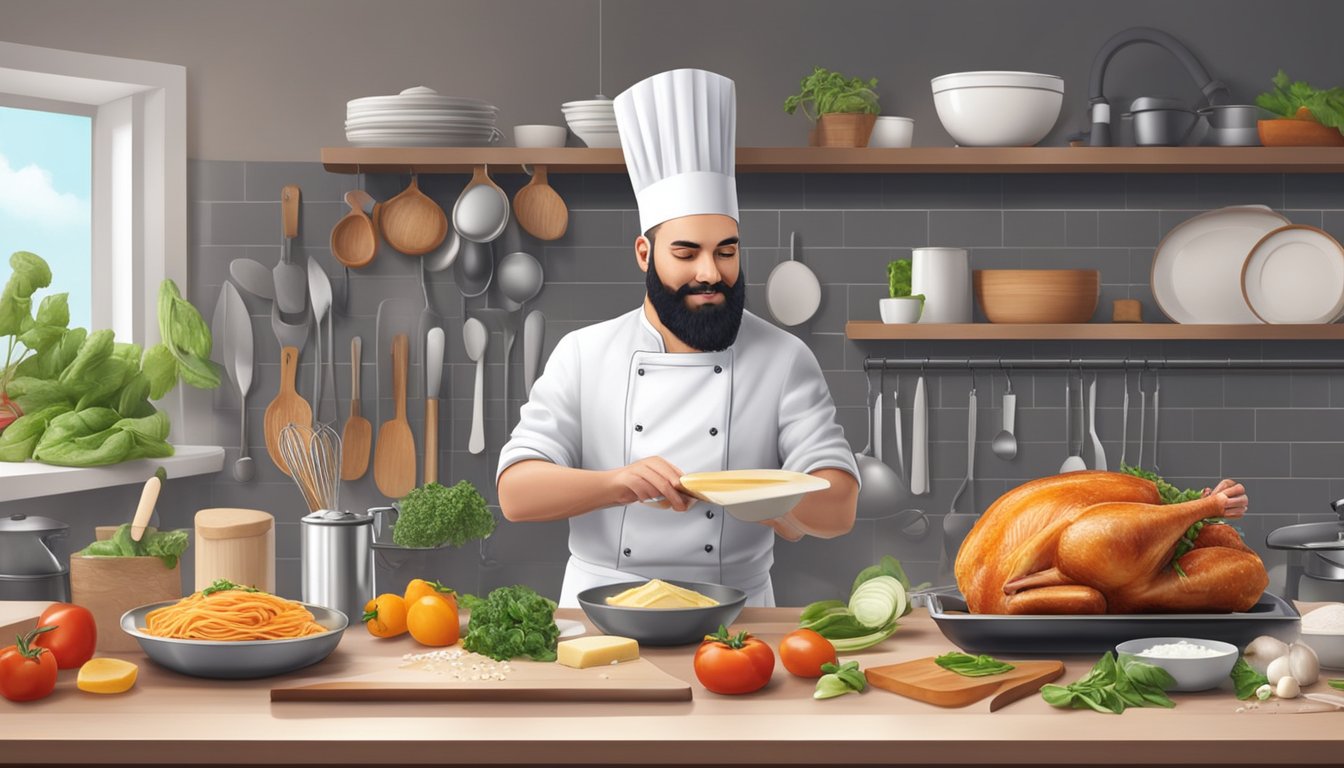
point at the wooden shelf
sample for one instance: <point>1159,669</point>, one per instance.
<point>873,330</point>
<point>841,160</point>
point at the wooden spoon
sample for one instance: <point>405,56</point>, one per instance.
<point>352,239</point>
<point>412,222</point>
<point>540,209</point>
<point>394,455</point>
<point>286,408</point>
<point>358,433</point>
<point>148,498</point>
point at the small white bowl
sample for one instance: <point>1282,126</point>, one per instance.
<point>607,139</point>
<point>1199,674</point>
<point>998,109</point>
<point>539,135</point>
<point>902,309</point>
<point>892,132</point>
<point>1329,648</point>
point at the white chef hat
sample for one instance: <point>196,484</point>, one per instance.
<point>677,131</point>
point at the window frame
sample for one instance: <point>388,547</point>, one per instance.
<point>139,190</point>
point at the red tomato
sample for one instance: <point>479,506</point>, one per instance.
<point>27,672</point>
<point>733,664</point>
<point>803,651</point>
<point>75,635</point>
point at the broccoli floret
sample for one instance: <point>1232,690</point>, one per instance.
<point>432,515</point>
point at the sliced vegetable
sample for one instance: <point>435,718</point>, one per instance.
<point>839,680</point>
<point>972,666</point>
<point>879,597</point>
<point>877,601</point>
<point>1337,684</point>
<point>733,664</point>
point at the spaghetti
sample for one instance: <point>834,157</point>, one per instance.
<point>228,612</point>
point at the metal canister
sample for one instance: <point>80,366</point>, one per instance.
<point>338,561</point>
<point>34,558</point>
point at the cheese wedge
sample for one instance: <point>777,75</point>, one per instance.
<point>596,651</point>
<point>106,676</point>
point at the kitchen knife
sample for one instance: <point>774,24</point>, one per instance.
<point>877,427</point>
<point>238,356</point>
<point>919,441</point>
<point>433,380</point>
<point>534,333</point>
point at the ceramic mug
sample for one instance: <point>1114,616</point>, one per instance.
<point>891,132</point>
<point>943,275</point>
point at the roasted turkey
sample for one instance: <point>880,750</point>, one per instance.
<point>1103,542</point>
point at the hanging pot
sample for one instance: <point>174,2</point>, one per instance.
<point>34,558</point>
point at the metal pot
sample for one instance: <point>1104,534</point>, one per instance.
<point>1160,122</point>
<point>34,558</point>
<point>1322,545</point>
<point>1232,125</point>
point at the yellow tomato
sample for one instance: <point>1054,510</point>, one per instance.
<point>419,588</point>
<point>385,615</point>
<point>433,621</point>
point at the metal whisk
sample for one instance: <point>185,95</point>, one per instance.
<point>313,455</point>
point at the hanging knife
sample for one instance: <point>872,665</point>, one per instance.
<point>433,380</point>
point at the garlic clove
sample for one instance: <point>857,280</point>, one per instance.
<point>1288,688</point>
<point>1278,669</point>
<point>1303,663</point>
<point>1264,692</point>
<point>1263,650</point>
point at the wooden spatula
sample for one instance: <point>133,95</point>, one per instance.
<point>540,209</point>
<point>358,432</point>
<point>148,498</point>
<point>394,455</point>
<point>286,408</point>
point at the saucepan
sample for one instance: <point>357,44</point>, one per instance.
<point>1232,125</point>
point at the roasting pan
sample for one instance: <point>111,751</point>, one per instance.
<point>1071,634</point>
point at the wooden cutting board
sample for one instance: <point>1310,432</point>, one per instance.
<point>924,680</point>
<point>638,680</point>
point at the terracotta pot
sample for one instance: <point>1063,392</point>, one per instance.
<point>1291,132</point>
<point>842,129</point>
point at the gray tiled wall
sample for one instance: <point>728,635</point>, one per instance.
<point>1277,431</point>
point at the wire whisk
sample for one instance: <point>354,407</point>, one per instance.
<point>313,455</point>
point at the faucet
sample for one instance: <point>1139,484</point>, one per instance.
<point>1100,109</point>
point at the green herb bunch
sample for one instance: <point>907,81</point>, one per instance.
<point>85,398</point>
<point>1290,97</point>
<point>511,622</point>
<point>1113,685</point>
<point>433,515</point>
<point>168,546</point>
<point>827,92</point>
<point>900,274</point>
<point>1170,494</point>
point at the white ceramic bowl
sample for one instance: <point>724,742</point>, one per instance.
<point>539,135</point>
<point>1199,674</point>
<point>903,309</point>
<point>1329,648</point>
<point>998,109</point>
<point>606,139</point>
<point>892,132</point>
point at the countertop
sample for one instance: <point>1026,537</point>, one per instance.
<point>171,719</point>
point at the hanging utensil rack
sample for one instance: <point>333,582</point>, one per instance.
<point>1097,363</point>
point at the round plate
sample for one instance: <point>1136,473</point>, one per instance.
<point>792,293</point>
<point>1295,274</point>
<point>1197,267</point>
<point>237,659</point>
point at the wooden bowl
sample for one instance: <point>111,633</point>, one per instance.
<point>1037,295</point>
<point>1291,132</point>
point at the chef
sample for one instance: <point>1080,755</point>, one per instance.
<point>687,382</point>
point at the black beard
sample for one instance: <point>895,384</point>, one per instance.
<point>711,327</point>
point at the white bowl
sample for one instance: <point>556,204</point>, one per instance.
<point>998,109</point>
<point>539,135</point>
<point>765,493</point>
<point>1199,674</point>
<point>588,103</point>
<point>902,309</point>
<point>598,139</point>
<point>892,132</point>
<point>1329,648</point>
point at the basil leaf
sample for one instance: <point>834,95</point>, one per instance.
<point>1246,679</point>
<point>972,666</point>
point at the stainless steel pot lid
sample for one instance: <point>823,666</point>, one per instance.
<point>26,545</point>
<point>335,517</point>
<point>21,523</point>
<point>1308,536</point>
<point>1149,103</point>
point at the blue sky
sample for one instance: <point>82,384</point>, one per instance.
<point>45,161</point>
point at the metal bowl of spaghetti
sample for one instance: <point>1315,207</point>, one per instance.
<point>236,659</point>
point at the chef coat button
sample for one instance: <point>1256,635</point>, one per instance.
<point>641,371</point>
<point>713,431</point>
<point>626,551</point>
<point>709,547</point>
<point>709,513</point>
<point>639,427</point>
<point>718,369</point>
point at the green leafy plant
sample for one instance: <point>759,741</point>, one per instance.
<point>75,398</point>
<point>1113,685</point>
<point>433,515</point>
<point>168,546</point>
<point>1245,679</point>
<point>511,622</point>
<point>1289,98</point>
<point>878,599</point>
<point>825,92</point>
<point>900,274</point>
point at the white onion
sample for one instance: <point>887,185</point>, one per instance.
<point>1305,666</point>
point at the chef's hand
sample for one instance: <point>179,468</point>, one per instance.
<point>649,479</point>
<point>784,526</point>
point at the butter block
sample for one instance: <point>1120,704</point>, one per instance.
<point>596,651</point>
<point>106,675</point>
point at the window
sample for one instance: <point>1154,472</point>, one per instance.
<point>137,188</point>
<point>45,179</point>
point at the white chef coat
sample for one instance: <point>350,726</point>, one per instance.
<point>612,395</point>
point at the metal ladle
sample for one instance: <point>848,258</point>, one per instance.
<point>1005,444</point>
<point>520,280</point>
<point>882,490</point>
<point>475,269</point>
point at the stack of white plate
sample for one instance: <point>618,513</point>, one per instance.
<point>420,117</point>
<point>593,121</point>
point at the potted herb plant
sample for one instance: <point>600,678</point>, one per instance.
<point>901,307</point>
<point>844,109</point>
<point>1307,117</point>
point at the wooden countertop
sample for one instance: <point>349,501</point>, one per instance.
<point>171,719</point>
